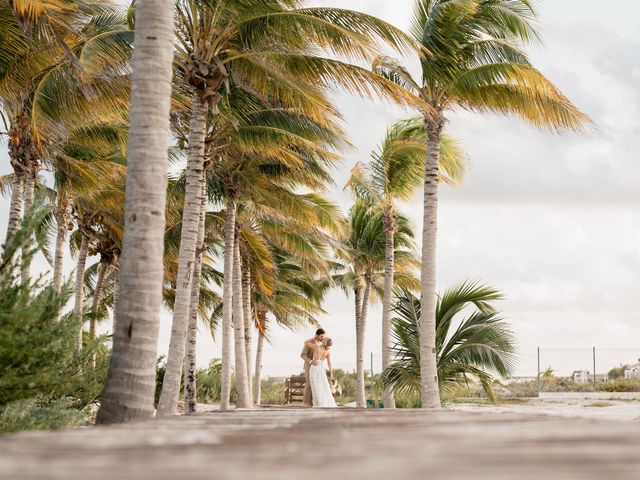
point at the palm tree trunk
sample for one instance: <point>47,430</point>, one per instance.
<point>257,387</point>
<point>190,370</point>
<point>361,300</point>
<point>61,238</point>
<point>248,324</point>
<point>227,302</point>
<point>116,294</point>
<point>103,269</point>
<point>29,190</point>
<point>428,362</point>
<point>168,403</point>
<point>242,382</point>
<point>388,397</point>
<point>15,209</point>
<point>79,299</point>
<point>131,382</point>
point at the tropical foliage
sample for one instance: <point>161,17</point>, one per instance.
<point>44,384</point>
<point>473,341</point>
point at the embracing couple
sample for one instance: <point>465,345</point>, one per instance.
<point>317,391</point>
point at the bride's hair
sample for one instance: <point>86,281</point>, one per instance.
<point>327,342</point>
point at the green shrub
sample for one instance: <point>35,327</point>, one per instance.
<point>35,415</point>
<point>41,379</point>
<point>617,372</point>
<point>161,367</point>
<point>272,391</point>
<point>408,400</point>
<point>619,385</point>
<point>36,341</point>
<point>348,385</point>
<point>208,383</point>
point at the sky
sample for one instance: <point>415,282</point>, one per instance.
<point>553,221</point>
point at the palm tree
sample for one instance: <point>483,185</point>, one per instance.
<point>395,173</point>
<point>130,386</point>
<point>204,303</point>
<point>471,58</point>
<point>190,367</point>
<point>363,255</point>
<point>249,323</point>
<point>475,346</point>
<point>242,379</point>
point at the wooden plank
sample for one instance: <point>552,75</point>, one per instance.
<point>291,443</point>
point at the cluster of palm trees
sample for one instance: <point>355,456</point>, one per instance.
<point>241,92</point>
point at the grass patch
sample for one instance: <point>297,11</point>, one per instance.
<point>33,415</point>
<point>599,404</point>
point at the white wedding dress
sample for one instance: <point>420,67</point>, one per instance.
<point>320,388</point>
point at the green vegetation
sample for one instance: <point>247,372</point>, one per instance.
<point>44,384</point>
<point>35,415</point>
<point>472,347</point>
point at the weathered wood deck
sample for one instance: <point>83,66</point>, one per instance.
<point>288,444</point>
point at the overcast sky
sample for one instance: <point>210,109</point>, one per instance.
<point>552,221</point>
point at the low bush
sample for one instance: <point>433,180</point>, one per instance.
<point>619,385</point>
<point>34,414</point>
<point>272,391</point>
<point>43,383</point>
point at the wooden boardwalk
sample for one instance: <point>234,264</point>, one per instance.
<point>288,444</point>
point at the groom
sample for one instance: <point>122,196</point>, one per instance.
<point>307,356</point>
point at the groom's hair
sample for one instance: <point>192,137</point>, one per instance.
<point>320,331</point>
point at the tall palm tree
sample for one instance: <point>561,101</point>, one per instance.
<point>249,323</point>
<point>242,378</point>
<point>395,173</point>
<point>190,400</point>
<point>471,58</point>
<point>362,271</point>
<point>130,386</point>
<point>204,303</point>
<point>473,347</point>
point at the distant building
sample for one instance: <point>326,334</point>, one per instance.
<point>632,372</point>
<point>580,376</point>
<point>520,380</point>
<point>583,376</point>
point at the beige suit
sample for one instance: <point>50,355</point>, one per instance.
<point>307,356</point>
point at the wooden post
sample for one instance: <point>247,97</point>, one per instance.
<point>538,371</point>
<point>371,368</point>
<point>594,369</point>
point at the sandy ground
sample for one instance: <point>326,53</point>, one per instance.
<point>620,410</point>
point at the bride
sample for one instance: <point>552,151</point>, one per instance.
<point>321,391</point>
